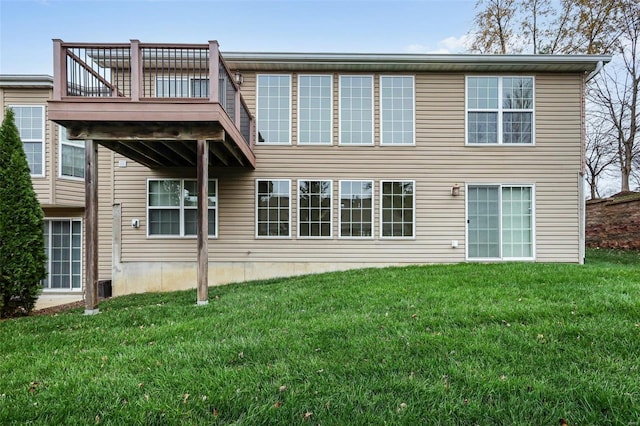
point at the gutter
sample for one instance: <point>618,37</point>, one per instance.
<point>26,80</point>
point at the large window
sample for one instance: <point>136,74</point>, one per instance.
<point>314,208</point>
<point>356,110</point>
<point>273,208</point>
<point>273,115</point>
<point>63,246</point>
<point>500,110</point>
<point>315,109</point>
<point>71,156</point>
<point>500,222</point>
<point>172,207</point>
<point>30,123</point>
<point>397,209</point>
<point>356,208</point>
<point>396,110</point>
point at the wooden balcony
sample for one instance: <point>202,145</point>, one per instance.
<point>152,102</point>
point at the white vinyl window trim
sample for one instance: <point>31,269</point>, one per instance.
<point>256,212</point>
<point>310,237</point>
<point>41,140</point>
<point>499,111</point>
<point>301,107</point>
<point>63,141</point>
<point>341,124</point>
<point>382,109</point>
<point>500,186</point>
<point>371,223</point>
<point>182,208</point>
<point>413,209</point>
<point>259,112</point>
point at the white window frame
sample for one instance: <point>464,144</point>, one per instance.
<point>47,222</point>
<point>330,236</point>
<point>413,207</point>
<point>188,79</point>
<point>278,237</point>
<point>500,111</point>
<point>73,143</point>
<point>257,115</point>
<point>413,137</point>
<point>330,112</point>
<point>176,79</point>
<point>42,141</point>
<point>373,209</point>
<point>373,109</point>
<point>533,222</point>
<point>181,209</point>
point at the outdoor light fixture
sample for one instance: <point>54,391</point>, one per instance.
<point>239,78</point>
<point>455,190</point>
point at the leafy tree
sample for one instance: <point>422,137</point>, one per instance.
<point>545,26</point>
<point>495,22</point>
<point>22,256</point>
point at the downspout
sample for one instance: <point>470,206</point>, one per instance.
<point>595,72</point>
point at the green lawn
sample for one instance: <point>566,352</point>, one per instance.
<point>448,344</point>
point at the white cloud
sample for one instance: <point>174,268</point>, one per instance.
<point>448,45</point>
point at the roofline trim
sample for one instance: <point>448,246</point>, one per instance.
<point>26,80</point>
<point>412,58</point>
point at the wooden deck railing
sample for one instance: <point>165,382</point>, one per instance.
<point>148,72</point>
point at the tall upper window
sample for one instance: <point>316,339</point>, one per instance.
<point>314,208</point>
<point>397,110</point>
<point>315,109</point>
<point>356,110</point>
<point>71,156</point>
<point>273,115</point>
<point>356,208</point>
<point>397,209</point>
<point>30,122</point>
<point>172,207</point>
<point>500,110</point>
<point>273,208</point>
<point>500,222</point>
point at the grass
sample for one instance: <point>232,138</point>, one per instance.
<point>514,343</point>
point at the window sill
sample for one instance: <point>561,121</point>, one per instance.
<point>71,178</point>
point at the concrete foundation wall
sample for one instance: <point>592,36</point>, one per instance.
<point>141,277</point>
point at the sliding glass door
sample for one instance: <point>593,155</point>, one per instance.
<point>500,222</point>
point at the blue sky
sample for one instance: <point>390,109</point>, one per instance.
<point>421,26</point>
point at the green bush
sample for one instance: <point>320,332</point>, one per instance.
<point>22,255</point>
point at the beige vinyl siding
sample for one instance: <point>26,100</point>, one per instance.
<point>439,160</point>
<point>42,185</point>
<point>105,211</point>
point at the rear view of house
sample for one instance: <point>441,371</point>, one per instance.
<point>297,163</point>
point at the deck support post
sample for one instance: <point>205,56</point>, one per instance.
<point>203,222</point>
<point>91,227</point>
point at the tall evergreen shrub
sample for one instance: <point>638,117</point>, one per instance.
<point>22,256</point>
